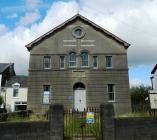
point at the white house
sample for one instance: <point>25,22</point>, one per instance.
<point>15,93</point>
<point>154,80</point>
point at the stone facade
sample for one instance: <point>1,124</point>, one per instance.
<point>61,41</point>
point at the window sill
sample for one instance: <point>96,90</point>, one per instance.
<point>47,68</point>
<point>15,97</point>
<point>85,67</point>
<point>72,67</point>
<point>109,67</point>
<point>111,101</point>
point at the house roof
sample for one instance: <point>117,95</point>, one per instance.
<point>154,69</point>
<point>77,16</point>
<point>4,66</point>
<point>21,79</point>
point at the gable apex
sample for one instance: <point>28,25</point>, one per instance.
<point>77,16</point>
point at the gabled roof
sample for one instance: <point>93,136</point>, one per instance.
<point>77,16</point>
<point>154,69</point>
<point>4,66</point>
<point>21,79</point>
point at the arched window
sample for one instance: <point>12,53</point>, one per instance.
<point>72,59</point>
<point>84,59</point>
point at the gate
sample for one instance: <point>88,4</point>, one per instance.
<point>77,125</point>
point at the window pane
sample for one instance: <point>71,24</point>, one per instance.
<point>46,87</point>
<point>72,59</point>
<point>78,32</point>
<point>95,61</point>
<point>47,61</point>
<point>15,92</point>
<point>61,61</point>
<point>109,61</point>
<point>111,92</point>
<point>110,88</point>
<point>46,94</point>
<point>84,59</point>
<point>111,96</point>
<point>17,103</point>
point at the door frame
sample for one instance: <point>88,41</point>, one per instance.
<point>80,86</point>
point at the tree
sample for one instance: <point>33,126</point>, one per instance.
<point>139,96</point>
<point>1,100</point>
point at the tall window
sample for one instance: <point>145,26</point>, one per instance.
<point>15,92</point>
<point>46,94</point>
<point>111,92</point>
<point>47,62</point>
<point>95,62</point>
<point>16,89</point>
<point>108,61</point>
<point>61,62</point>
<point>84,59</point>
<point>72,59</point>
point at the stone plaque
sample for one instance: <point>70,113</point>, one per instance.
<point>79,74</point>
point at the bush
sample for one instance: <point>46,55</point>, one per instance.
<point>138,98</point>
<point>3,117</point>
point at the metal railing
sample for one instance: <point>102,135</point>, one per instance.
<point>77,127</point>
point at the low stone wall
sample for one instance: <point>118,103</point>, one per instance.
<point>47,130</point>
<point>25,131</point>
<point>144,128</point>
<point>141,128</point>
<point>131,128</point>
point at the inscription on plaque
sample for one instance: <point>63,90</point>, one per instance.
<point>79,74</point>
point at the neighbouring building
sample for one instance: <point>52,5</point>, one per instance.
<point>154,80</point>
<point>15,93</point>
<point>78,64</point>
<point>153,92</point>
<point>6,72</point>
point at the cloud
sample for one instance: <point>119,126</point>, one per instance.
<point>134,21</point>
<point>33,4</point>
<point>3,29</point>
<point>13,42</point>
<point>29,18</point>
<point>12,16</point>
<point>54,17</point>
<point>25,6</point>
<point>12,49</point>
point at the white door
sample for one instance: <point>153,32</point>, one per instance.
<point>80,99</point>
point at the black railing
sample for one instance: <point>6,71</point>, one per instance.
<point>76,125</point>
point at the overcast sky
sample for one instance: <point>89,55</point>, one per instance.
<point>135,21</point>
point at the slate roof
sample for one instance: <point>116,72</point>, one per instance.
<point>154,69</point>
<point>77,16</point>
<point>4,66</point>
<point>21,79</point>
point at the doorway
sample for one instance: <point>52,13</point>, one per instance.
<point>79,96</point>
